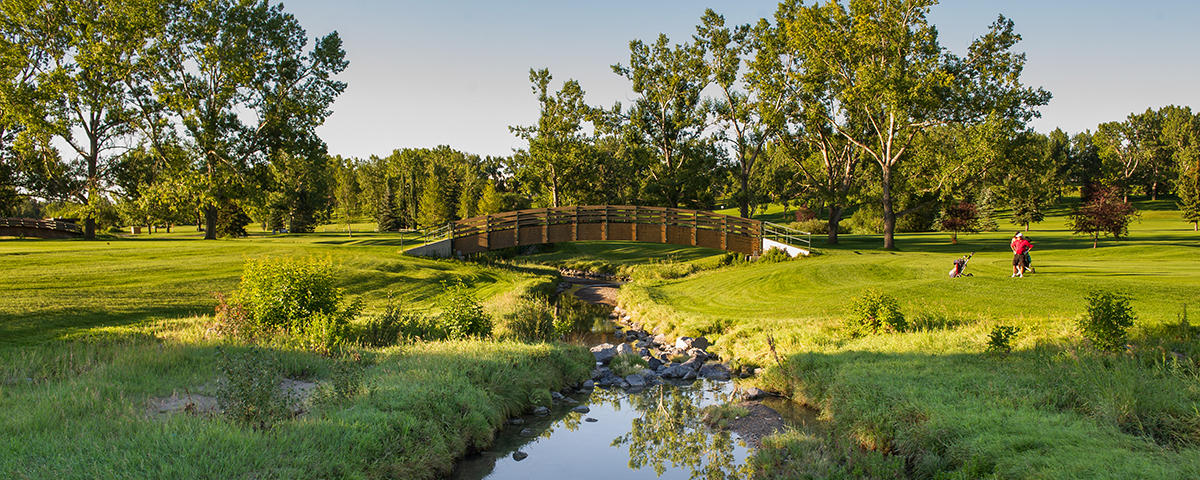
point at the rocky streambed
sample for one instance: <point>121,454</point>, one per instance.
<point>643,424</point>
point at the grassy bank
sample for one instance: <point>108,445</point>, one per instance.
<point>95,336</point>
<point>930,400</point>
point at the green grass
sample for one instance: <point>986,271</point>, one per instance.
<point>932,396</point>
<point>91,333</point>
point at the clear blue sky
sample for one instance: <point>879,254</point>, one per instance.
<point>456,73</point>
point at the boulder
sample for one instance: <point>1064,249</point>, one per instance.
<point>624,348</point>
<point>581,409</point>
<point>684,343</point>
<point>676,371</point>
<point>690,375</point>
<point>654,363</point>
<point>604,352</point>
<point>519,455</point>
<point>715,371</point>
<point>661,339</point>
<point>556,397</point>
<point>590,419</point>
<point>636,380</point>
<point>701,343</point>
<point>644,352</point>
<point>754,393</point>
<point>588,385</point>
<point>541,411</point>
<point>528,433</point>
<point>516,421</point>
<point>599,373</point>
<point>694,363</point>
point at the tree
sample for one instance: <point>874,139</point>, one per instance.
<point>1105,212</point>
<point>669,120</point>
<point>434,209</point>
<point>959,217</point>
<point>890,75</point>
<point>92,52</point>
<point>221,57</point>
<point>1181,138</point>
<point>558,153</point>
<point>748,117</point>
<point>490,201</point>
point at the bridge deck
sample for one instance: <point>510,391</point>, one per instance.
<point>31,227</point>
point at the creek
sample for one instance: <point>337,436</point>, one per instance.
<point>653,433</point>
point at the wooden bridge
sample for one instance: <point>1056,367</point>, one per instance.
<point>602,222</point>
<point>29,227</point>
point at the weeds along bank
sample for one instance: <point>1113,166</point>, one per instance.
<point>982,376</point>
<point>392,372</point>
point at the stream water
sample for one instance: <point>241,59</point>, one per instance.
<point>651,433</point>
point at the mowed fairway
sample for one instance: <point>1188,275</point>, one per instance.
<point>932,401</point>
<point>60,288</point>
<point>1158,265</point>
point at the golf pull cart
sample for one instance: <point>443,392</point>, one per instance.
<point>960,266</point>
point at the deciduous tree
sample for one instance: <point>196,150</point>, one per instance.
<point>1106,212</point>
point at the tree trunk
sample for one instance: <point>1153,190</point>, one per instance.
<point>889,215</point>
<point>89,229</point>
<point>210,222</point>
<point>835,217</point>
<point>744,200</point>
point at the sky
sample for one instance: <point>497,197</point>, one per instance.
<point>456,72</point>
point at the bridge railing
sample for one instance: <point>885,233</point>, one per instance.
<point>606,214</point>
<point>787,235</point>
<point>42,224</point>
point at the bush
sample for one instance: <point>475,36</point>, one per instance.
<point>232,318</point>
<point>462,316</point>
<point>284,293</point>
<point>868,219</point>
<point>531,320</point>
<point>249,389</point>
<point>999,340</point>
<point>876,312</point>
<point>627,364</point>
<point>815,226</point>
<point>1108,317</point>
<point>345,381</point>
<point>774,255</point>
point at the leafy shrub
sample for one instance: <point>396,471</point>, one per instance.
<point>774,255</point>
<point>346,379</point>
<point>815,226</point>
<point>627,364</point>
<point>249,389</point>
<point>731,258</point>
<point>1108,317</point>
<point>462,316</point>
<point>868,219</point>
<point>232,318</point>
<point>396,324</point>
<point>531,320</point>
<point>1000,339</point>
<point>876,312</point>
<point>295,296</point>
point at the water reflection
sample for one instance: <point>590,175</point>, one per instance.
<point>655,433</point>
<point>669,430</point>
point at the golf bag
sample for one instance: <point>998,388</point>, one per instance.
<point>960,266</point>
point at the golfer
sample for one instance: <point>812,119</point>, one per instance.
<point>1020,246</point>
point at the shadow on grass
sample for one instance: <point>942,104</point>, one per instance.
<point>62,323</point>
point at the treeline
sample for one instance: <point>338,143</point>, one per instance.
<point>166,111</point>
<point>828,108</point>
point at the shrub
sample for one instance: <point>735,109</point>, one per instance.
<point>1107,318</point>
<point>249,389</point>
<point>868,219</point>
<point>396,324</point>
<point>814,226</point>
<point>627,364</point>
<point>345,380</point>
<point>285,294</point>
<point>462,316</point>
<point>876,312</point>
<point>774,255</point>
<point>531,320</point>
<point>999,340</point>
<point>232,318</point>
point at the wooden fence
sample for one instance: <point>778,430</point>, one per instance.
<point>607,222</point>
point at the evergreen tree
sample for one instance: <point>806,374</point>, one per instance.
<point>490,202</point>
<point>433,210</point>
<point>386,218</point>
